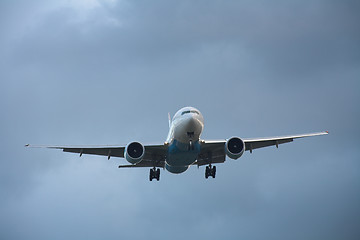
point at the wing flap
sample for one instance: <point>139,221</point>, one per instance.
<point>206,161</point>
<point>145,163</point>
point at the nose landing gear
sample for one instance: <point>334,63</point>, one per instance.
<point>210,171</point>
<point>154,173</point>
<point>191,146</point>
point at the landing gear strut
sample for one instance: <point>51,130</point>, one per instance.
<point>154,173</point>
<point>210,171</point>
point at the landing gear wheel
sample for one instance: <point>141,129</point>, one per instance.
<point>158,174</point>
<point>210,171</point>
<point>154,173</point>
<point>207,172</point>
<point>213,172</point>
<point>151,175</point>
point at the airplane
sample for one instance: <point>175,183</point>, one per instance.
<point>183,147</point>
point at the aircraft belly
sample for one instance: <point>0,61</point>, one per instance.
<point>181,159</point>
<point>180,154</point>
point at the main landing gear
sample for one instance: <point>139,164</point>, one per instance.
<point>154,173</point>
<point>210,171</point>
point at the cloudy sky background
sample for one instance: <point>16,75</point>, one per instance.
<point>108,72</point>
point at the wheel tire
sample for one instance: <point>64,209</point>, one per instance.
<point>213,172</point>
<point>151,175</point>
<point>158,174</point>
<point>207,172</point>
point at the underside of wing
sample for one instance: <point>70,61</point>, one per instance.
<point>211,152</point>
<point>214,151</point>
<point>254,143</point>
<point>104,150</point>
<point>154,156</point>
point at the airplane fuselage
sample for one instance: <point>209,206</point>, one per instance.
<point>183,139</point>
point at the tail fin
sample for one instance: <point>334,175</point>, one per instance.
<point>169,119</point>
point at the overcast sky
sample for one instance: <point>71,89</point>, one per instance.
<point>108,72</point>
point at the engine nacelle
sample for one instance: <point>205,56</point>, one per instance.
<point>234,147</point>
<point>134,152</point>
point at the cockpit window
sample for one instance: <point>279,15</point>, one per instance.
<point>190,111</point>
<point>185,112</point>
<point>195,112</point>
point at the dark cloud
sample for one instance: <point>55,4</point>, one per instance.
<point>108,73</point>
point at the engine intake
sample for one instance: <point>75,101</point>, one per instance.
<point>134,152</point>
<point>234,147</point>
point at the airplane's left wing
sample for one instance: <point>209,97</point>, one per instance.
<point>155,155</point>
<point>254,143</point>
<point>214,151</point>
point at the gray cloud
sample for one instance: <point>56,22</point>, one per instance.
<point>109,72</point>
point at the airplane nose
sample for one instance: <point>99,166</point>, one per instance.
<point>191,123</point>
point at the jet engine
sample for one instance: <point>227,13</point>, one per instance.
<point>234,147</point>
<point>134,152</point>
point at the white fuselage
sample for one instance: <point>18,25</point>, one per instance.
<point>183,139</point>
